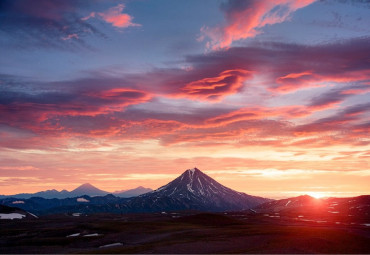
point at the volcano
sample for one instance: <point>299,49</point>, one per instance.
<point>194,190</point>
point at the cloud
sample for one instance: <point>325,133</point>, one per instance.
<point>245,19</point>
<point>213,89</point>
<point>42,106</point>
<point>191,106</point>
<point>336,96</point>
<point>47,24</point>
<point>114,16</point>
<point>347,126</point>
<point>260,112</point>
<point>285,68</point>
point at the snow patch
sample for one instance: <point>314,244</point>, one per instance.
<point>189,188</point>
<point>33,215</point>
<point>18,202</point>
<point>111,245</point>
<point>74,235</point>
<point>288,203</point>
<point>81,199</point>
<point>76,214</point>
<point>11,216</point>
<point>332,212</point>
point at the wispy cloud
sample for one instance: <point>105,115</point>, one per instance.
<point>244,19</point>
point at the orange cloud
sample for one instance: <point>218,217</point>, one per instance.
<point>245,19</point>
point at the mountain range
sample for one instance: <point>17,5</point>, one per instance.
<point>307,208</point>
<point>196,191</point>
<point>192,190</point>
<point>84,189</point>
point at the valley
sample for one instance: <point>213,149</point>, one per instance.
<point>188,232</point>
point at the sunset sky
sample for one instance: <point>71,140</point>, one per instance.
<point>271,98</point>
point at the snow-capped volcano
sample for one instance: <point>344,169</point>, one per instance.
<point>196,190</point>
<point>195,184</point>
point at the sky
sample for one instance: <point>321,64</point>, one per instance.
<point>271,98</point>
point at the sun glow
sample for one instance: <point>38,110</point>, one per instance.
<point>317,195</point>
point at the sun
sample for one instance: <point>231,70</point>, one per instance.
<point>316,194</point>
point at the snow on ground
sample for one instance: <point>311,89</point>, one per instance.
<point>76,214</point>
<point>11,216</point>
<point>89,235</point>
<point>74,235</point>
<point>111,245</point>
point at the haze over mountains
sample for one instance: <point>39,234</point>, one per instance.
<point>84,189</point>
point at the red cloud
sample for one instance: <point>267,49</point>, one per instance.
<point>245,18</point>
<point>226,83</point>
<point>114,16</point>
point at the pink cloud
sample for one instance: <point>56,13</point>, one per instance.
<point>260,112</point>
<point>70,36</point>
<point>215,88</point>
<point>308,79</point>
<point>114,16</point>
<point>245,19</point>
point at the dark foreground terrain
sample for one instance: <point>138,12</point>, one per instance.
<point>182,232</point>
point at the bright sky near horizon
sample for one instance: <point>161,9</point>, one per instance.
<point>271,98</point>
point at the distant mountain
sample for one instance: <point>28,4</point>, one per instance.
<point>196,191</point>
<point>132,192</point>
<point>289,203</point>
<point>84,189</point>
<point>354,209</point>
<point>45,194</point>
<point>87,189</point>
